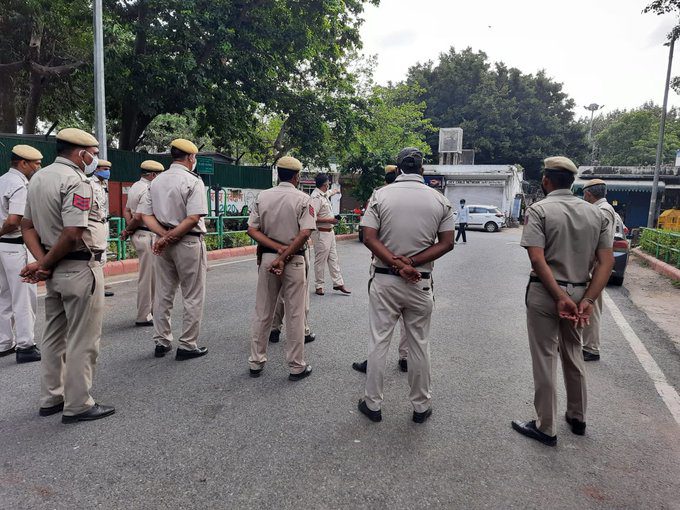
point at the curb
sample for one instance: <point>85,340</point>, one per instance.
<point>120,267</point>
<point>658,265</point>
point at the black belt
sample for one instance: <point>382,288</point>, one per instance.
<point>384,270</point>
<point>536,279</point>
<point>143,228</point>
<point>195,234</point>
<point>83,255</point>
<point>264,249</point>
<point>12,240</point>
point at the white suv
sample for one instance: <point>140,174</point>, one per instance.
<point>487,217</point>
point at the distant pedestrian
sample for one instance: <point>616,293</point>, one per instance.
<point>463,220</point>
<point>142,240</point>
<point>18,300</point>
<point>325,249</point>
<point>281,221</point>
<point>563,235</point>
<point>407,226</point>
<point>173,209</point>
<point>594,192</point>
<point>62,228</point>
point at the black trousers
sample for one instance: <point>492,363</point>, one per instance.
<point>461,231</point>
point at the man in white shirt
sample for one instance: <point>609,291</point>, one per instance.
<point>463,220</point>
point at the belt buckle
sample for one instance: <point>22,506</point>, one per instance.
<point>570,289</point>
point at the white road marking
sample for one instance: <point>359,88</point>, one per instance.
<point>668,394</point>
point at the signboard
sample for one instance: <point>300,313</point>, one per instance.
<point>451,140</point>
<point>205,166</point>
<point>461,182</point>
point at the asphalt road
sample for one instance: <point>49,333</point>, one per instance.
<point>202,434</point>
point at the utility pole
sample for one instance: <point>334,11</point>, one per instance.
<point>592,108</point>
<point>651,218</point>
<point>99,95</point>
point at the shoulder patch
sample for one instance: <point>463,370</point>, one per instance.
<point>311,210</point>
<point>81,203</point>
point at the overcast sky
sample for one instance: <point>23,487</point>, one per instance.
<point>603,51</point>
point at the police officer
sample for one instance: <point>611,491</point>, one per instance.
<point>407,226</point>
<point>325,250</point>
<point>143,240</point>
<point>594,192</point>
<point>174,209</point>
<point>391,173</point>
<point>100,189</point>
<point>281,221</point>
<point>279,311</point>
<point>68,244</point>
<point>562,235</point>
<point>17,299</point>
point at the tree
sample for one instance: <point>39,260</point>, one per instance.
<point>44,47</point>
<point>506,116</point>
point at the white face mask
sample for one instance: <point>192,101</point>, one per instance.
<point>194,164</point>
<point>92,167</point>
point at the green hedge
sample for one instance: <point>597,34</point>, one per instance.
<point>662,244</point>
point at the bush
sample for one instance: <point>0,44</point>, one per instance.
<point>343,227</point>
<point>667,243</point>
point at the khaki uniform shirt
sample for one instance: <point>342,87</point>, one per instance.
<point>609,215</point>
<point>59,196</point>
<point>174,195</point>
<point>570,230</point>
<point>96,237</point>
<point>13,191</point>
<point>281,212</point>
<point>408,215</point>
<point>136,194</point>
<point>322,206</point>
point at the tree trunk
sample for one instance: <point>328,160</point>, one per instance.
<point>133,124</point>
<point>8,112</point>
<point>36,81</point>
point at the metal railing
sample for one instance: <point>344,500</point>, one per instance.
<point>223,232</point>
<point>663,244</point>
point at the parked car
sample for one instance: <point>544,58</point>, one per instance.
<point>621,251</point>
<point>487,217</point>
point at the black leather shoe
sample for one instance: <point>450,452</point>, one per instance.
<point>142,324</point>
<point>9,351</point>
<point>161,350</point>
<point>578,427</point>
<point>342,289</point>
<point>256,372</point>
<point>374,416</point>
<point>49,411</point>
<point>96,412</point>
<point>310,338</point>
<point>403,365</point>
<point>305,373</point>
<point>360,367</point>
<point>589,356</point>
<point>183,354</point>
<point>274,336</point>
<point>28,354</point>
<point>528,428</point>
<point>421,417</point>
<point>108,293</point>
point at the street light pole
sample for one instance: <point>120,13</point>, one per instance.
<point>99,96</point>
<point>592,108</point>
<point>651,218</point>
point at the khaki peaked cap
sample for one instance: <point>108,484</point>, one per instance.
<point>560,163</point>
<point>104,164</point>
<point>184,145</point>
<point>77,137</point>
<point>390,168</point>
<point>289,163</point>
<point>594,182</point>
<point>27,152</point>
<point>152,166</point>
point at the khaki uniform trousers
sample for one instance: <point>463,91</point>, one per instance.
<point>325,252</point>
<point>143,241</point>
<point>292,285</point>
<point>18,300</point>
<point>279,311</point>
<point>183,264</point>
<point>591,333</point>
<point>403,341</point>
<point>74,307</point>
<point>548,336</point>
<point>388,298</point>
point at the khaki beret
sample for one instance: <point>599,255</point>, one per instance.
<point>184,145</point>
<point>560,163</point>
<point>152,166</point>
<point>78,137</point>
<point>390,168</point>
<point>289,163</point>
<point>104,164</point>
<point>27,152</point>
<point>593,182</point>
